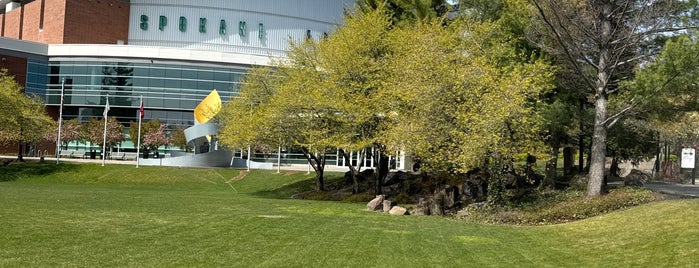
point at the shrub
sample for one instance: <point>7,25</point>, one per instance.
<point>559,207</point>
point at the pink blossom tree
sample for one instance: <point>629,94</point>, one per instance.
<point>155,138</point>
<point>70,131</point>
<point>93,131</point>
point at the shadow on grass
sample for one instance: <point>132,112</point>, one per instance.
<point>288,190</point>
<point>17,170</point>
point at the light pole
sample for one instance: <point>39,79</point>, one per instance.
<point>60,122</point>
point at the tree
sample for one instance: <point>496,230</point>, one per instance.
<point>70,131</point>
<point>179,139</point>
<point>23,117</point>
<point>602,42</point>
<point>150,126</point>
<point>155,138</point>
<point>350,91</point>
<point>93,131</point>
<point>406,11</point>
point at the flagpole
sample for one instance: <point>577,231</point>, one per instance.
<point>138,146</point>
<point>60,122</point>
<point>104,140</point>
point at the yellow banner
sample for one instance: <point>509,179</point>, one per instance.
<point>207,108</point>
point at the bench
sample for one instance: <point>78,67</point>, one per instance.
<point>130,156</point>
<point>119,156</point>
<point>78,153</point>
<point>65,153</point>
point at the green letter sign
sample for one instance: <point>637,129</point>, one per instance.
<point>144,22</point>
<point>260,30</point>
<point>202,25</point>
<point>183,24</point>
<point>222,28</point>
<point>242,28</point>
<point>163,22</point>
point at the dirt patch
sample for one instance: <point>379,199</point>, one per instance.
<point>240,176</point>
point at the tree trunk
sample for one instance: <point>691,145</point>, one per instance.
<point>318,164</point>
<point>599,133</point>
<point>552,166</point>
<point>382,167</point>
<point>599,149</point>
<point>581,138</point>
<point>568,159</point>
<point>353,171</point>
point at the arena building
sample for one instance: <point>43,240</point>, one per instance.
<point>170,52</point>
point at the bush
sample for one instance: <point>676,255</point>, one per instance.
<point>559,207</point>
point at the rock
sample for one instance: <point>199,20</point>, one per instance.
<point>579,182</point>
<point>636,178</point>
<point>640,175</point>
<point>397,210</point>
<point>633,182</point>
<point>451,196</point>
<point>395,177</point>
<point>473,190</point>
<point>423,207</point>
<point>387,205</point>
<point>375,204</point>
<point>436,205</point>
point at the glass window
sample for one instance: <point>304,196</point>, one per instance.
<point>172,102</point>
<point>189,74</point>
<point>222,76</point>
<point>205,75</point>
<point>157,72</point>
<point>172,83</point>
<point>174,71</point>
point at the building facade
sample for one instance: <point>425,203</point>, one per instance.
<point>172,53</point>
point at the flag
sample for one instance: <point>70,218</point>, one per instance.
<point>141,109</point>
<point>106,109</point>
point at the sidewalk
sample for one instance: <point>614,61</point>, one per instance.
<point>294,167</point>
<point>685,190</point>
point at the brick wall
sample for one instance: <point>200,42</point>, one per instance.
<point>96,21</point>
<point>69,22</point>
<point>52,30</point>
<point>12,22</point>
<point>16,67</point>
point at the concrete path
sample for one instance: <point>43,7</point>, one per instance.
<point>684,190</point>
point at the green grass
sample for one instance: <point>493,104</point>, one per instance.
<point>93,216</point>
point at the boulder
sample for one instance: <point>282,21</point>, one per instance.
<point>473,190</point>
<point>579,182</point>
<point>638,175</point>
<point>633,182</point>
<point>397,210</point>
<point>387,206</point>
<point>436,204</point>
<point>375,204</point>
<point>394,178</point>
<point>451,196</point>
<point>636,178</point>
<point>423,207</point>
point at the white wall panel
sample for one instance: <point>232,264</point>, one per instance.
<point>282,20</point>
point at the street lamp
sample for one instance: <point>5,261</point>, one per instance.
<point>60,122</point>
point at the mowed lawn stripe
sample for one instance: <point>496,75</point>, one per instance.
<point>176,217</point>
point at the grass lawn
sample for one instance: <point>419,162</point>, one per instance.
<point>93,216</point>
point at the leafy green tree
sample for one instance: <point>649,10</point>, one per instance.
<point>602,42</point>
<point>406,11</point>
<point>23,117</point>
<point>179,139</point>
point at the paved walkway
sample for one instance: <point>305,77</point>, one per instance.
<point>294,167</point>
<point>685,190</point>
